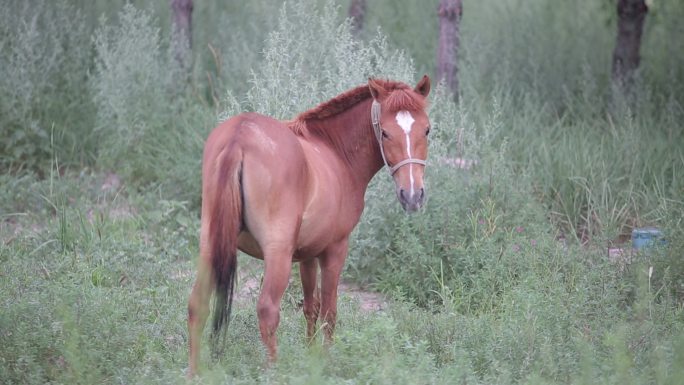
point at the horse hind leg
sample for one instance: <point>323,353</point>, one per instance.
<point>276,277</point>
<point>198,311</point>
<point>308,271</point>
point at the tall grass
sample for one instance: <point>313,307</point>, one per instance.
<point>94,294</point>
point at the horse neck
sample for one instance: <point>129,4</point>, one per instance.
<point>356,144</point>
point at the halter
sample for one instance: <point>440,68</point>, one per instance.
<point>375,118</point>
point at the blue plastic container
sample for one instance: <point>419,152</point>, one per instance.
<point>646,237</point>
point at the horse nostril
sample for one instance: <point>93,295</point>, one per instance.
<point>402,195</point>
<point>422,194</point>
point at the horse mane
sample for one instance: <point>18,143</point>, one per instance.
<point>399,97</point>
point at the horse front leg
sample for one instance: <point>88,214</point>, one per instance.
<point>308,271</point>
<point>332,262</point>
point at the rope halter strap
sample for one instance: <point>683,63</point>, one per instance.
<point>377,129</point>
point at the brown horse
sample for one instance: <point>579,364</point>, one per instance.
<point>293,191</point>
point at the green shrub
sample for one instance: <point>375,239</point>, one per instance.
<point>311,57</point>
<point>149,131</point>
<point>132,86</point>
<point>44,101</point>
<point>473,218</point>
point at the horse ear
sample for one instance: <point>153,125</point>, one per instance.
<point>423,86</point>
<point>376,89</point>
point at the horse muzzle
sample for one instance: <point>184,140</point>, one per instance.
<point>411,201</point>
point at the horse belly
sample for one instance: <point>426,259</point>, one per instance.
<point>322,227</point>
<point>247,244</point>
<point>307,246</point>
<point>313,238</point>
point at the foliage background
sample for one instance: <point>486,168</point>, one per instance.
<point>503,278</point>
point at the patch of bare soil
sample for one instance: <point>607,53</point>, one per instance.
<point>249,281</point>
<point>368,301</point>
<point>249,286</point>
<point>12,229</point>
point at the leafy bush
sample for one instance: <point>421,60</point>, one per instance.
<point>311,57</point>
<point>44,103</point>
<point>148,129</point>
<point>131,87</point>
<point>473,218</point>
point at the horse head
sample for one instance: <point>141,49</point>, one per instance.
<point>401,128</point>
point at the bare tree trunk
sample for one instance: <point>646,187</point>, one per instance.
<point>182,32</point>
<point>631,16</point>
<point>357,12</point>
<point>450,12</point>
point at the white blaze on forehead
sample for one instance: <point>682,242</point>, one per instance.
<point>405,121</point>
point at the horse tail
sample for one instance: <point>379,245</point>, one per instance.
<point>225,223</point>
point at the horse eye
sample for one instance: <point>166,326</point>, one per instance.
<point>427,132</point>
<point>384,134</point>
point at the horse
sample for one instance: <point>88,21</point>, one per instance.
<point>292,191</point>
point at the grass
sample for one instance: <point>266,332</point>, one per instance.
<point>96,284</point>
<point>502,278</point>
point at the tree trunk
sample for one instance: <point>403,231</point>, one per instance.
<point>631,16</point>
<point>182,32</point>
<point>450,12</point>
<point>357,12</point>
